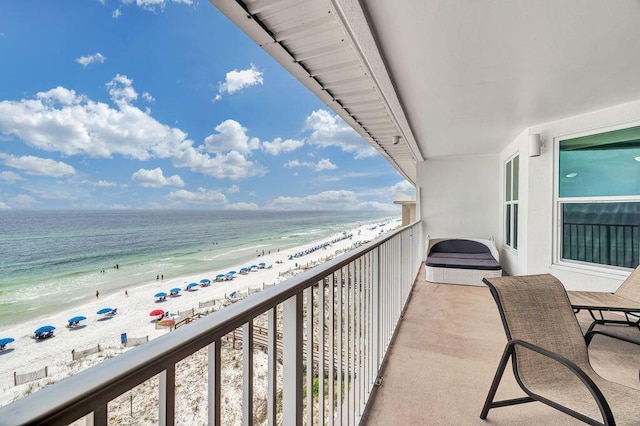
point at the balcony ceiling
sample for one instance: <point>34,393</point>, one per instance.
<point>451,77</point>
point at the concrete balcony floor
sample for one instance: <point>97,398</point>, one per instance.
<point>445,355</point>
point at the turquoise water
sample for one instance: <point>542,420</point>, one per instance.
<point>51,260</point>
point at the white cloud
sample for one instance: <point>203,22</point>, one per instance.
<point>324,164</point>
<point>155,179</point>
<point>201,196</point>
<point>333,177</point>
<point>116,13</point>
<point>121,90</point>
<point>329,200</point>
<point>152,5</point>
<point>231,165</point>
<point>231,136</point>
<point>91,59</point>
<point>237,80</point>
<point>61,96</point>
<point>404,189</point>
<point>37,166</point>
<point>100,183</point>
<point>23,200</point>
<point>330,130</point>
<point>78,126</point>
<point>233,189</point>
<point>147,97</point>
<point>10,177</point>
<point>294,163</point>
<point>63,121</point>
<point>3,206</point>
<point>278,146</point>
<point>241,206</point>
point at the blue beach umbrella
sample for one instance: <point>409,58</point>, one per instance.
<point>44,329</point>
<point>262,264</point>
<point>192,285</point>
<point>220,276</point>
<point>205,281</point>
<point>5,341</point>
<point>104,311</point>
<point>254,266</point>
<point>175,290</point>
<point>161,294</point>
<point>231,273</point>
<point>77,319</point>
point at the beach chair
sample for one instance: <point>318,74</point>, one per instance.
<point>549,354</point>
<point>625,301</point>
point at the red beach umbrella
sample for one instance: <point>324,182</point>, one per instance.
<point>156,313</point>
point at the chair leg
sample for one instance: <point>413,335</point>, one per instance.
<point>508,351</point>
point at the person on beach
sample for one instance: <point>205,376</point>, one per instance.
<point>97,294</point>
<point>126,293</point>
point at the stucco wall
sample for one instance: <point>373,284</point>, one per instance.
<point>537,202</point>
<point>458,196</point>
<point>462,197</point>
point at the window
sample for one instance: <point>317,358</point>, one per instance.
<point>511,202</point>
<point>599,198</point>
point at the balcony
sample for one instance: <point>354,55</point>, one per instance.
<point>445,354</point>
<point>399,350</point>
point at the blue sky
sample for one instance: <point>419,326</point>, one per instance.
<point>166,104</point>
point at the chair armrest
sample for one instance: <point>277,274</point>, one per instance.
<point>602,403</point>
<point>589,336</point>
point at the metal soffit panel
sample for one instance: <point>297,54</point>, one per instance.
<point>308,38</point>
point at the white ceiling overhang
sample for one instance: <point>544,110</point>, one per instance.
<point>338,62</point>
<point>451,77</point>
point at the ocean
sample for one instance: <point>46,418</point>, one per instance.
<point>53,260</point>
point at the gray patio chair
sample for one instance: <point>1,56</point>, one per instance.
<point>549,355</point>
<point>625,300</point>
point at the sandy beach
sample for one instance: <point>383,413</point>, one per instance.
<point>27,354</point>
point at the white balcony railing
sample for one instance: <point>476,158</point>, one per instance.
<point>350,306</point>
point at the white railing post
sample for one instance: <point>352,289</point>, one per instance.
<point>292,361</point>
<point>375,313</point>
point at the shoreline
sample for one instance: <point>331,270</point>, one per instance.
<point>26,354</point>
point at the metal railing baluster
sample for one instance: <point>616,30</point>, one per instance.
<point>339,338</point>
<point>309,334</point>
<point>272,366</point>
<point>247,373</point>
<point>332,346</point>
<point>214,385</point>
<point>321,350</point>
<point>167,403</point>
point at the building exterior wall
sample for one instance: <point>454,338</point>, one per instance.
<point>536,253</point>
<point>463,197</point>
<point>458,197</point>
